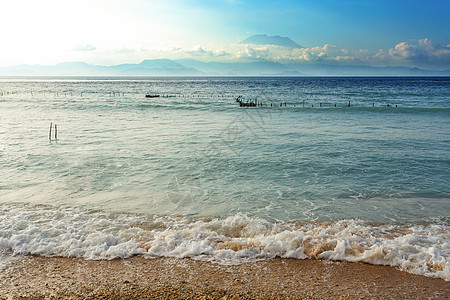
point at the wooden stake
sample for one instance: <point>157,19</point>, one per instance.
<point>50,132</point>
<point>56,132</point>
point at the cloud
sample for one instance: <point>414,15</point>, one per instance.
<point>197,51</point>
<point>252,52</point>
<point>85,47</point>
<point>330,54</point>
<point>423,53</point>
<point>326,53</point>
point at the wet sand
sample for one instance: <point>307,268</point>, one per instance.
<point>168,278</point>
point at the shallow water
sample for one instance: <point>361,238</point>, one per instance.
<point>383,171</point>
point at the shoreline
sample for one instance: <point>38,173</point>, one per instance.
<point>161,278</point>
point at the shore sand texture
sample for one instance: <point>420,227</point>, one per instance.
<point>35,277</point>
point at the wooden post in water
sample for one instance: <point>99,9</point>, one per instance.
<point>50,132</point>
<point>348,103</point>
<point>56,132</point>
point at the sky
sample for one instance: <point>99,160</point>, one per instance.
<point>413,33</point>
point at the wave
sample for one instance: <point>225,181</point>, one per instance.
<point>74,232</point>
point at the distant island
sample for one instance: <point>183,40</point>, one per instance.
<point>191,67</point>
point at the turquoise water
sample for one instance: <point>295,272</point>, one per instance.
<point>194,154</point>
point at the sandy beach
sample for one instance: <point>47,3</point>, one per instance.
<point>35,277</point>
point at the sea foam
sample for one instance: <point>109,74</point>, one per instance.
<point>75,232</point>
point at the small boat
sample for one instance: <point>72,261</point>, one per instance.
<point>151,96</point>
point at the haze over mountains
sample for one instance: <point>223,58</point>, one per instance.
<point>230,67</point>
<point>191,67</point>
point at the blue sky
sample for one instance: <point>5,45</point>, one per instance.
<point>385,32</point>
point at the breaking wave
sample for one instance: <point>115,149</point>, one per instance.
<point>74,232</point>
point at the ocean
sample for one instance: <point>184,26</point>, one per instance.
<point>332,168</point>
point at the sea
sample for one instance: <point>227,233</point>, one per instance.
<point>333,168</point>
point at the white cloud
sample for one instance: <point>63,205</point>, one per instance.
<point>252,52</point>
<point>326,53</point>
<point>197,51</point>
<point>423,53</point>
<point>200,51</point>
<point>85,47</point>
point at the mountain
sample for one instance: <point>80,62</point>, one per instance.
<point>154,67</point>
<point>263,39</point>
<point>191,67</point>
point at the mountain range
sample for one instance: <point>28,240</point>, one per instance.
<point>191,67</point>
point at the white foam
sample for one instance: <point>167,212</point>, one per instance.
<point>73,232</point>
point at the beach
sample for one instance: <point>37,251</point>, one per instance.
<point>36,277</point>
